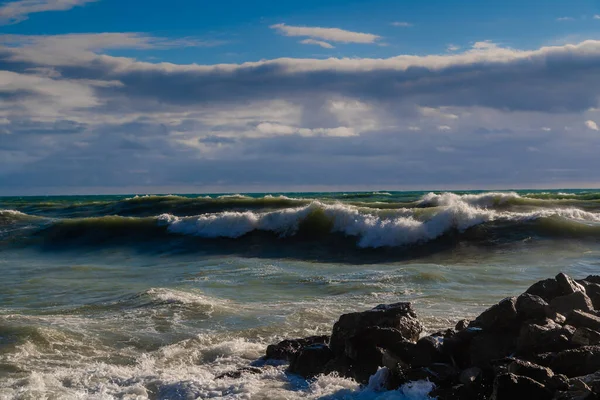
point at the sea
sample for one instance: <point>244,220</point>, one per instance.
<point>155,296</point>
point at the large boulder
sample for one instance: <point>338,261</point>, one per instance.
<point>543,375</point>
<point>580,319</point>
<point>547,289</point>
<point>544,336</point>
<point>574,301</point>
<point>487,348</point>
<point>399,316</point>
<point>593,292</point>
<point>287,349</point>
<point>585,337</point>
<point>499,317</point>
<point>530,306</point>
<point>311,360</point>
<point>576,362</point>
<point>566,285</point>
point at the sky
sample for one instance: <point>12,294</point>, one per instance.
<point>188,96</point>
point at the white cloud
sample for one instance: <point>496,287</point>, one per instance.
<point>402,24</point>
<point>318,43</point>
<point>17,11</point>
<point>592,125</point>
<point>444,128</point>
<point>452,47</point>
<point>330,34</point>
<point>597,16</point>
<point>563,19</point>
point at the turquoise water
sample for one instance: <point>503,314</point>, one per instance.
<point>107,297</point>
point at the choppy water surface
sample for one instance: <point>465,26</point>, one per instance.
<point>153,296</point>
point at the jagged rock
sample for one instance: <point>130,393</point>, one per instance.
<point>576,362</point>
<point>567,285</point>
<point>311,360</point>
<point>428,350</point>
<point>544,336</point>
<point>530,306</point>
<point>487,348</point>
<point>580,319</point>
<point>593,279</point>
<point>547,289</point>
<point>536,372</point>
<point>593,292</point>
<point>461,325</point>
<point>510,387</point>
<point>239,372</point>
<point>574,301</point>
<point>400,316</point>
<point>287,349</point>
<point>457,347</point>
<point>592,381</point>
<point>499,317</point>
<point>585,337</point>
<point>438,373</point>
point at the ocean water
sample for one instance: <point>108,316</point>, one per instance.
<point>136,297</point>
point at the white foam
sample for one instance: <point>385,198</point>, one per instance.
<point>487,199</point>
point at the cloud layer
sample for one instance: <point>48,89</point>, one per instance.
<point>17,11</point>
<point>73,117</point>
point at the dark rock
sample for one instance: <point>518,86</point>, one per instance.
<point>592,381</point>
<point>585,337</point>
<point>400,316</point>
<point>470,375</point>
<point>536,372</point>
<point>593,292</point>
<point>287,349</point>
<point>487,348</point>
<point>547,289</point>
<point>499,317</point>
<point>575,301</point>
<point>566,285</point>
<point>576,362</point>
<point>544,336</point>
<point>448,333</point>
<point>461,325</point>
<point>511,387</point>
<point>438,373</point>
<point>457,347</point>
<point>311,360</point>
<point>239,372</point>
<point>580,319</point>
<point>428,350</point>
<point>593,279</point>
<point>530,306</point>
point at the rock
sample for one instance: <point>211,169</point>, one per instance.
<point>311,360</point>
<point>457,347</point>
<point>499,317</point>
<point>576,362</point>
<point>287,349</point>
<point>544,336</point>
<point>566,285</point>
<point>438,373</point>
<point>536,372</point>
<point>470,375</point>
<point>239,372</point>
<point>593,279</point>
<point>428,350</point>
<point>487,348</point>
<point>547,289</point>
<point>592,381</point>
<point>511,387</point>
<point>575,301</point>
<point>530,306</point>
<point>461,325</point>
<point>400,316</point>
<point>580,319</point>
<point>593,292</point>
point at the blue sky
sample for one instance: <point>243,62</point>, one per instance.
<point>154,96</point>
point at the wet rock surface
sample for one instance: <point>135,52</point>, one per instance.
<point>543,344</point>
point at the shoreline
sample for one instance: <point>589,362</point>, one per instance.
<point>543,344</point>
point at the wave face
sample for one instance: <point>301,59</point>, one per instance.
<point>360,220</point>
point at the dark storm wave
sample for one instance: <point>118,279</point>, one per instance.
<point>481,217</point>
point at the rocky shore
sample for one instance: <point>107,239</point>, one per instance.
<point>543,344</point>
